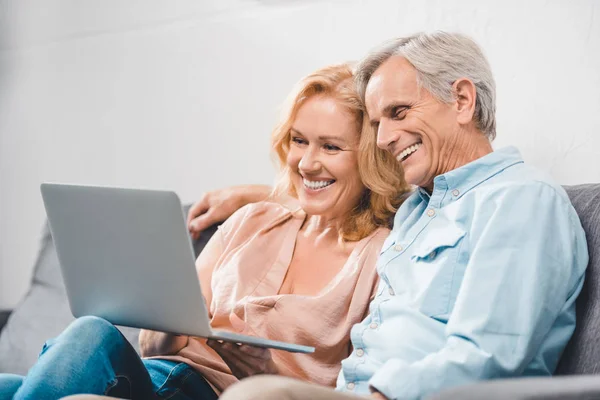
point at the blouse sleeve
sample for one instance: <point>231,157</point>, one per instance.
<point>206,263</point>
<point>208,260</point>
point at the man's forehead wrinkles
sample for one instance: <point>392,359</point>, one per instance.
<point>374,87</point>
<point>375,94</point>
<point>374,111</point>
<point>375,81</point>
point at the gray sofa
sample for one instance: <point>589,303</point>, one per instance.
<point>44,311</point>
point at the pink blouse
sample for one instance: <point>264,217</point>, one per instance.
<point>241,271</point>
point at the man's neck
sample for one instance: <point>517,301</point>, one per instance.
<point>480,146</point>
<point>469,146</point>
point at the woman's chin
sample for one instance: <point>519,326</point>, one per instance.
<point>311,208</point>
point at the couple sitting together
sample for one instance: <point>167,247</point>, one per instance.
<point>476,280</point>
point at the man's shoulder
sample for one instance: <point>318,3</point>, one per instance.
<point>521,180</point>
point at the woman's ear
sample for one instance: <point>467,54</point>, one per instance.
<point>465,97</point>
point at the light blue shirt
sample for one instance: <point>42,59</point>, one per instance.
<point>478,281</point>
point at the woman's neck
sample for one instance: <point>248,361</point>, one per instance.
<point>321,228</point>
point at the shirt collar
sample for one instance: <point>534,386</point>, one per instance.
<point>465,178</point>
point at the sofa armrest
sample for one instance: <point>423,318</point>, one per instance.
<point>4,314</point>
<point>573,387</point>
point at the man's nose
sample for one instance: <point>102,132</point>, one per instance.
<point>385,135</point>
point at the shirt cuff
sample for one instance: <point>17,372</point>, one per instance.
<point>394,381</point>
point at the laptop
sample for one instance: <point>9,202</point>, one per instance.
<point>126,256</point>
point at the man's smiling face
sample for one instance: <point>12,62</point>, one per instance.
<point>415,127</point>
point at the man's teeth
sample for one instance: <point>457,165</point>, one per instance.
<point>406,152</point>
<point>316,184</point>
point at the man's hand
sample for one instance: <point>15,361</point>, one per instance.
<point>245,360</point>
<point>218,205</point>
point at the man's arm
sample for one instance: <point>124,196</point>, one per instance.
<point>218,205</point>
<point>523,276</point>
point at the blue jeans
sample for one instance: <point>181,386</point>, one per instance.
<point>92,356</point>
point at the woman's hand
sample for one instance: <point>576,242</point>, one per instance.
<point>245,360</point>
<point>153,343</point>
<point>378,396</point>
<point>218,205</point>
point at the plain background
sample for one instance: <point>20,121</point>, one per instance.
<point>183,94</point>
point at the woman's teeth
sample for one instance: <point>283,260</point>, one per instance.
<point>408,151</point>
<point>315,185</point>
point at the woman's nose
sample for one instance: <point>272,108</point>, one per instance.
<point>309,161</point>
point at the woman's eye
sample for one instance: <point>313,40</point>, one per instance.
<point>330,147</point>
<point>298,140</point>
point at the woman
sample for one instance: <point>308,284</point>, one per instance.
<point>300,269</point>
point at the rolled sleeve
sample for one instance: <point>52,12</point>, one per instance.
<point>385,380</point>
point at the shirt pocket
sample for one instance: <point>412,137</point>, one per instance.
<point>435,260</point>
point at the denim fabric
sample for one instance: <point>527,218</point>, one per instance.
<point>91,356</point>
<point>9,384</point>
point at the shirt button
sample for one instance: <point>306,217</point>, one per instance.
<point>391,291</point>
<point>431,212</point>
<point>455,192</point>
<point>398,247</point>
<point>373,325</point>
<point>360,352</point>
<point>350,385</point>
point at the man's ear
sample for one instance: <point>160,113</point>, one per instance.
<point>465,97</point>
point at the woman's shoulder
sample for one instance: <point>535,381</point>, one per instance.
<point>374,241</point>
<point>261,215</point>
<point>378,235</point>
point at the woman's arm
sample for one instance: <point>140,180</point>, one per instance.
<point>153,343</point>
<point>245,360</point>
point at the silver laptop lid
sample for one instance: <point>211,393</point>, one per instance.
<point>118,248</point>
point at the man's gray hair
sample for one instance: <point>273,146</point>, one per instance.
<point>440,59</point>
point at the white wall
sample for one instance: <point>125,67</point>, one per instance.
<point>183,94</point>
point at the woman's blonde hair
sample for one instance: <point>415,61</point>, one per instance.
<point>379,171</point>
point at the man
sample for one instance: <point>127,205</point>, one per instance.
<point>480,274</point>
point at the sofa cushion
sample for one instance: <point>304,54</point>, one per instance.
<point>44,311</point>
<point>582,354</point>
<point>4,314</point>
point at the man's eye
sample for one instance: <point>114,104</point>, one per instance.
<point>400,112</point>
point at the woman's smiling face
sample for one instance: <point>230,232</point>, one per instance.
<point>323,158</point>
